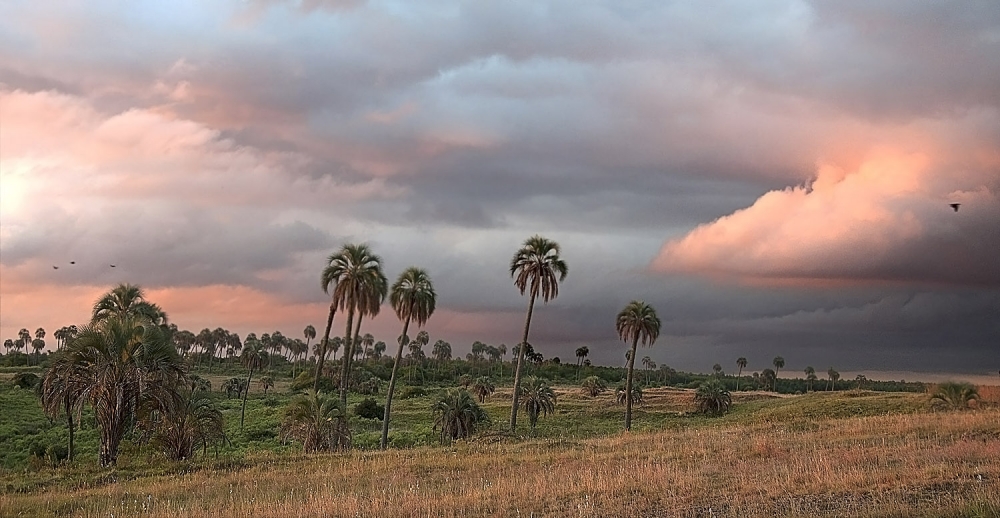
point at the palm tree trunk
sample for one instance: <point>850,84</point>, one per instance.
<point>628,385</point>
<point>322,349</point>
<point>69,418</point>
<point>738,379</point>
<point>243,412</point>
<point>392,385</point>
<point>348,352</point>
<point>520,362</point>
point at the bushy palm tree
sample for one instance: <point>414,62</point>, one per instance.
<point>538,398</point>
<point>833,376</point>
<point>61,388</point>
<point>457,415</point>
<point>318,421</point>
<point>810,377</point>
<point>712,397</point>
<point>253,357</point>
<point>483,388</point>
<point>955,395</point>
<point>622,396</point>
<point>413,299</point>
<point>592,386</point>
<point>180,430</point>
<point>120,363</point>
<point>638,321</point>
<point>536,268</point>
<point>266,382</point>
<point>127,300</point>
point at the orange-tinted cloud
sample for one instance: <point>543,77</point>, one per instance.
<point>860,225</point>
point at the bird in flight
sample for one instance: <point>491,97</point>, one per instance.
<point>55,267</point>
<point>72,262</point>
<point>112,266</point>
<point>955,206</point>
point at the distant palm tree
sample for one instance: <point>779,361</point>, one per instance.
<point>712,397</point>
<point>378,350</point>
<point>483,387</point>
<point>537,269</point>
<point>413,299</point>
<point>254,357</point>
<point>810,377</point>
<point>834,376</point>
<point>646,361</point>
<point>581,353</point>
<point>637,321</point>
<point>539,399</point>
<point>309,333</point>
<point>38,344</point>
<point>717,369</point>
<point>457,415</point>
<point>266,382</point>
<point>778,363</point>
<point>318,421</point>
<point>741,362</point>
<point>120,364</point>
<point>361,288</point>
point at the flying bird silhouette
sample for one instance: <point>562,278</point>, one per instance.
<point>72,262</point>
<point>955,206</point>
<point>112,266</point>
<point>55,267</point>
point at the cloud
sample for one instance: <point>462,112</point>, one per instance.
<point>888,220</point>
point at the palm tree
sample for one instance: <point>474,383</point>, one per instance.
<point>378,350</point>
<point>537,268</point>
<point>741,362</point>
<point>637,321</point>
<point>538,399</point>
<point>254,357</point>
<point>457,415</point>
<point>592,386</point>
<point>195,422</point>
<point>810,377</point>
<point>120,363</point>
<point>413,299</point>
<point>778,363</point>
<point>128,299</point>
<point>367,341</point>
<point>717,369</point>
<point>61,391</point>
<point>712,397</point>
<point>23,342</point>
<point>38,344</point>
<point>266,382</point>
<point>622,396</point>
<point>834,376</point>
<point>483,387</point>
<point>954,395</point>
<point>329,280</point>
<point>318,420</point>
<point>360,289</point>
<point>581,353</point>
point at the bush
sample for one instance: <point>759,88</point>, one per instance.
<point>369,409</point>
<point>412,392</point>
<point>592,386</point>
<point>25,380</point>
<point>636,394</point>
<point>955,395</point>
<point>304,381</point>
<point>713,397</point>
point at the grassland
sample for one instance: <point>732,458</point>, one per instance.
<point>821,454</point>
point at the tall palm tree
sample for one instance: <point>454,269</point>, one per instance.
<point>328,281</point>
<point>128,299</point>
<point>646,361</point>
<point>38,344</point>
<point>367,341</point>
<point>638,321</point>
<point>581,353</point>
<point>538,399</point>
<point>741,362</point>
<point>309,333</point>
<point>119,364</point>
<point>834,376</point>
<point>253,357</point>
<point>378,350</point>
<point>413,299</point>
<point>360,289</point>
<point>536,268</point>
<point>778,363</point>
<point>810,377</point>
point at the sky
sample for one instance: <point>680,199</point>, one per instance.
<point>773,177</point>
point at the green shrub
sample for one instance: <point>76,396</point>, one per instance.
<point>369,409</point>
<point>25,380</point>
<point>304,381</point>
<point>412,392</point>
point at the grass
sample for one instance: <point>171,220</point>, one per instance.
<point>821,454</point>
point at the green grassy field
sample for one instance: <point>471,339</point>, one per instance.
<point>842,453</point>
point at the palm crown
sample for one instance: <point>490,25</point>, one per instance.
<point>638,322</point>
<point>535,267</point>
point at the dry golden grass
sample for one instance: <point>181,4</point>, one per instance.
<point>922,464</point>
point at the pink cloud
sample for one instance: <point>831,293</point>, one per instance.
<point>863,224</point>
